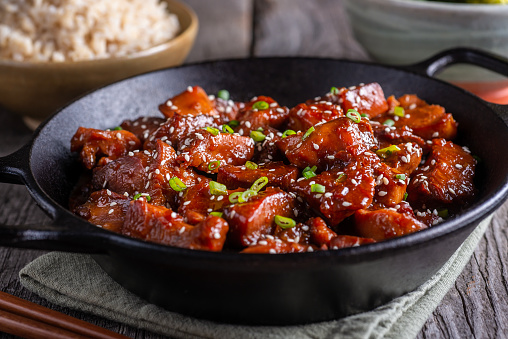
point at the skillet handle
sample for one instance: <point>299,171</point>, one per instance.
<point>454,56</point>
<point>14,167</point>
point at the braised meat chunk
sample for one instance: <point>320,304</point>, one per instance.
<point>346,169</point>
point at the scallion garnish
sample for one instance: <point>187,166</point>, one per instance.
<point>213,165</point>
<point>251,165</point>
<point>284,222</point>
<point>117,128</point>
<point>309,172</point>
<point>137,196</point>
<point>399,111</point>
<point>341,178</point>
<point>259,184</point>
<point>317,188</point>
<point>260,105</point>
<point>389,122</point>
<point>233,197</point>
<point>405,196</point>
<point>257,136</point>
<point>387,151</point>
<point>216,214</point>
<point>223,94</point>
<point>443,213</point>
<point>334,91</point>
<point>288,132</point>
<point>400,176</point>
<point>354,115</point>
<point>217,188</point>
<point>363,115</point>
<point>212,130</point>
<point>246,195</point>
<point>234,123</point>
<point>142,195</point>
<point>227,129</point>
<point>309,131</point>
<point>177,184</point>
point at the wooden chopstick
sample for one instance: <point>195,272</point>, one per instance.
<point>28,320</point>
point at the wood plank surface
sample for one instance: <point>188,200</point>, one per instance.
<point>477,305</point>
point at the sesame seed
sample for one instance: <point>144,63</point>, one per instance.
<point>354,181</point>
<point>435,134</point>
<point>216,235</point>
<point>310,249</point>
<point>412,106</point>
<point>233,213</point>
<point>108,192</point>
<point>113,204</point>
<point>182,230</point>
<point>280,110</point>
<point>209,210</point>
<point>331,157</point>
<point>200,136</point>
<point>247,124</point>
<point>263,242</point>
<point>220,197</point>
<point>451,190</point>
<point>382,193</point>
<point>345,191</point>
<point>316,146</point>
<point>328,195</point>
<point>111,211</point>
<point>189,89</point>
<point>147,184</point>
<point>130,154</point>
<point>346,204</point>
<point>458,166</point>
<point>404,159</point>
<point>157,171</point>
<point>126,194</point>
<point>186,157</point>
<point>173,215</point>
<point>186,203</point>
<point>385,181</point>
<point>272,251</point>
<point>273,104</point>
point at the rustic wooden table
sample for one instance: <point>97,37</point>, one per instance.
<point>477,305</point>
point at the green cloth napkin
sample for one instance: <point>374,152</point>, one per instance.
<point>77,281</point>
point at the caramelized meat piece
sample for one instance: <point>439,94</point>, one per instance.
<point>267,150</point>
<point>303,116</point>
<point>95,143</point>
<point>320,233</point>
<point>406,160</point>
<point>228,109</point>
<point>278,174</point>
<point>366,99</point>
<point>384,224</point>
<point>426,121</point>
<point>142,128</point>
<point>299,234</point>
<point>105,209</point>
<point>250,220</point>
<point>123,175</point>
<point>431,218</point>
<point>208,152</point>
<point>391,135</point>
<point>177,130</point>
<point>318,147</point>
<point>274,246</point>
<point>344,191</point>
<point>252,118</point>
<point>344,241</point>
<point>445,179</point>
<point>161,225</point>
<point>193,101</point>
<point>390,185</point>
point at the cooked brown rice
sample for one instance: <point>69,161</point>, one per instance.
<point>61,30</point>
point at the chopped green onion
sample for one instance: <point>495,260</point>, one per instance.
<point>354,115</point>
<point>401,176</point>
<point>405,196</point>
<point>251,165</point>
<point>260,105</point>
<point>234,197</point>
<point>177,184</point>
<point>246,195</point>
<point>260,129</point>
<point>142,195</point>
<point>212,130</point>
<point>363,115</point>
<point>443,213</point>
<point>288,132</point>
<point>309,131</point>
<point>137,196</point>
<point>117,128</point>
<point>317,188</point>
<point>227,129</point>
<point>217,188</point>
<point>257,136</point>
<point>399,111</point>
<point>223,94</point>
<point>216,214</point>
<point>387,151</point>
<point>234,123</point>
<point>309,172</point>
<point>334,91</point>
<point>389,122</point>
<point>284,222</point>
<point>341,178</point>
<point>213,165</point>
<point>259,184</point>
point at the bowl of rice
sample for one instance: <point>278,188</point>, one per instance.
<point>52,51</point>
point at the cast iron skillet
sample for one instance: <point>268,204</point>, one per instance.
<point>260,289</point>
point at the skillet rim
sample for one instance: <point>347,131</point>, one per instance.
<point>480,210</point>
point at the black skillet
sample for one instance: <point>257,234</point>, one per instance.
<point>260,289</point>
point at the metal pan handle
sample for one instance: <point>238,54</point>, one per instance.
<point>58,235</point>
<point>471,56</point>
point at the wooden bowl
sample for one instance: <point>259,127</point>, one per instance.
<point>35,90</point>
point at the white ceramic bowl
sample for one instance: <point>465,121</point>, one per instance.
<point>408,31</point>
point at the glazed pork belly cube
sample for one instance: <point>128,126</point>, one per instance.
<point>96,146</point>
<point>143,127</point>
<point>193,101</point>
<point>278,174</point>
<point>318,147</point>
<point>304,116</point>
<point>390,185</point>
<point>250,220</point>
<point>445,179</point>
<point>179,128</point>
<point>403,158</point>
<point>161,225</point>
<point>228,109</point>
<point>384,224</point>
<point>277,246</point>
<point>337,194</point>
<point>426,121</point>
<point>368,99</point>
<point>208,152</point>
<point>267,150</point>
<point>391,135</point>
<point>105,209</point>
<point>251,117</point>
